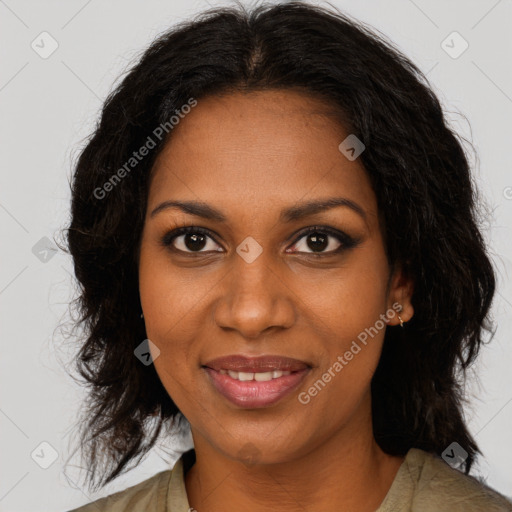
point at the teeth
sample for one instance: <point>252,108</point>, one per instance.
<point>243,376</point>
<point>258,376</point>
<point>262,377</point>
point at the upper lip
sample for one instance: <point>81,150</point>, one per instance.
<point>240,363</point>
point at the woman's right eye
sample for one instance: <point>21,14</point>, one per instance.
<point>190,239</point>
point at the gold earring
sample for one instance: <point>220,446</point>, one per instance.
<point>399,317</point>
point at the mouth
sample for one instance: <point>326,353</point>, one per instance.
<point>250,364</point>
<point>255,382</point>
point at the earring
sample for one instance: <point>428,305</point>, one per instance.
<point>399,317</point>
<point>142,315</point>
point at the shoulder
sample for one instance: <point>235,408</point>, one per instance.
<point>149,495</point>
<point>439,487</point>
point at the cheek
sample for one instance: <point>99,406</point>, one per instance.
<point>354,296</point>
<point>170,297</point>
<point>347,314</point>
<point>163,317</point>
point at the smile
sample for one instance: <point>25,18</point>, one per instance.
<point>259,376</point>
<point>255,390</point>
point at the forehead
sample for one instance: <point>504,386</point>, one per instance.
<point>256,149</point>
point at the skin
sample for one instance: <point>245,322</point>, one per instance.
<point>250,156</point>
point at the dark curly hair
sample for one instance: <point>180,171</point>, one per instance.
<point>419,172</point>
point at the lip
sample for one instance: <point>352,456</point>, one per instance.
<point>240,363</point>
<point>253,394</point>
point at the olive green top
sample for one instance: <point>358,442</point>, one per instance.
<point>423,483</point>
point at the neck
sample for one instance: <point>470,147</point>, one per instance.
<point>348,471</point>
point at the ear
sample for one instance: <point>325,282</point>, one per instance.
<point>401,288</point>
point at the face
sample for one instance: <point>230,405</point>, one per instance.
<point>259,274</point>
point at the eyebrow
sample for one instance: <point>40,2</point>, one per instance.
<point>290,214</point>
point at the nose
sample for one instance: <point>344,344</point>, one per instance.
<point>254,299</point>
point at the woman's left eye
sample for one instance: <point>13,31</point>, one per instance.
<point>324,241</point>
<point>319,240</point>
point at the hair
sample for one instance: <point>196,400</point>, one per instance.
<point>419,173</point>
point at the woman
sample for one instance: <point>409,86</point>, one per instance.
<point>274,232</point>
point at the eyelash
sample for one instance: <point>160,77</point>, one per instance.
<point>346,241</point>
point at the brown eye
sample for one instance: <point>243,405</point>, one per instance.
<point>323,240</point>
<point>317,241</point>
<point>190,239</point>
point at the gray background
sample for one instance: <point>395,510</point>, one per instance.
<point>48,105</point>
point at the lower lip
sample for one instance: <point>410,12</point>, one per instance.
<point>253,394</point>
